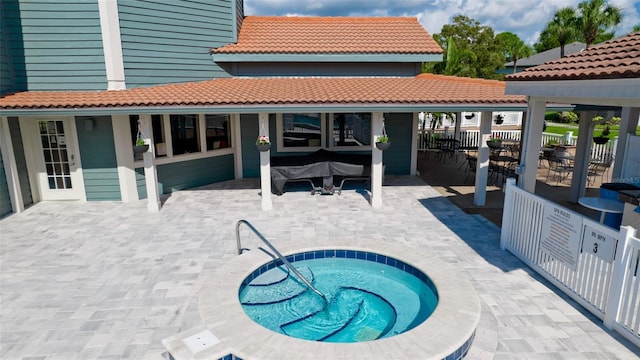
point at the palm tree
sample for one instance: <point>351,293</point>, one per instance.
<point>596,16</point>
<point>514,48</point>
<point>636,28</point>
<point>563,27</point>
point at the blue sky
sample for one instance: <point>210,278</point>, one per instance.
<point>526,18</point>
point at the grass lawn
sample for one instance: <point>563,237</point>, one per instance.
<point>562,129</point>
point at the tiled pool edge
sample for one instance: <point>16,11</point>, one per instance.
<point>447,334</point>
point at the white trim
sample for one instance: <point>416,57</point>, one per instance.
<point>150,170</point>
<point>606,92</point>
<point>413,170</point>
<point>112,44</point>
<point>279,127</point>
<point>10,168</point>
<point>265,164</point>
<point>35,162</point>
<point>377,124</point>
<point>124,158</point>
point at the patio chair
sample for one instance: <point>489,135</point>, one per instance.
<point>599,168</point>
<point>560,168</point>
<point>472,163</point>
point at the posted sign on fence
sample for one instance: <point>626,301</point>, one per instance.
<point>598,244</point>
<point>561,231</point>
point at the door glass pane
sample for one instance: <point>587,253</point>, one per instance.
<point>301,130</point>
<point>55,154</point>
<point>218,135</point>
<point>352,129</point>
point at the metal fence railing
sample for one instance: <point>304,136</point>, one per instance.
<point>470,139</point>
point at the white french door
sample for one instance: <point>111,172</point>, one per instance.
<point>55,161</point>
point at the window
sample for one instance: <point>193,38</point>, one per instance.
<point>184,134</point>
<point>352,129</point>
<point>217,131</point>
<point>301,131</point>
<point>158,134</point>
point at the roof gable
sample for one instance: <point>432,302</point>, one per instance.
<point>331,35</point>
<point>615,59</point>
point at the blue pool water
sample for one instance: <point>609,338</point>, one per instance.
<point>369,297</point>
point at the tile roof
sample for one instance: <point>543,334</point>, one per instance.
<point>332,35</point>
<point>615,59</point>
<point>424,89</point>
<point>552,54</point>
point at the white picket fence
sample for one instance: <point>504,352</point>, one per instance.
<point>469,139</point>
<point>592,263</point>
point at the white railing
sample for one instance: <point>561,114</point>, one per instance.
<point>592,263</point>
<point>469,139</point>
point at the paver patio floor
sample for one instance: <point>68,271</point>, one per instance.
<point>106,280</point>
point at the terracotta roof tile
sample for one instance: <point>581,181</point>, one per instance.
<point>333,35</point>
<point>424,89</point>
<point>618,58</point>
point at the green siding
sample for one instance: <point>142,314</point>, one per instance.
<point>397,158</point>
<point>21,162</point>
<point>194,173</point>
<point>54,45</point>
<point>169,42</point>
<point>250,155</point>
<point>97,152</point>
<point>7,79</point>
<point>188,174</point>
<point>5,200</point>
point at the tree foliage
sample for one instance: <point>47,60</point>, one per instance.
<point>596,18</point>
<point>560,31</point>
<point>513,48</point>
<point>591,23</point>
<point>475,52</point>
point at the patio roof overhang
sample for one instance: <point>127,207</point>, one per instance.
<point>425,92</point>
<point>600,92</point>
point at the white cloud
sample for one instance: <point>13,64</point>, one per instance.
<point>525,18</point>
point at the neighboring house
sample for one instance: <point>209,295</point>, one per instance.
<point>542,57</point>
<point>81,80</point>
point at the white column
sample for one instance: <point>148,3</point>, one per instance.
<point>237,144</point>
<point>628,123</point>
<point>265,164</point>
<point>124,158</point>
<point>377,122</point>
<point>10,168</point>
<point>150,171</point>
<point>414,145</point>
<point>582,157</point>
<point>458,124</point>
<point>530,152</point>
<point>482,166</point>
<point>112,44</point>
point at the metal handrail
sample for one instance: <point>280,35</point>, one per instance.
<point>278,254</point>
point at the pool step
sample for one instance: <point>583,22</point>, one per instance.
<point>352,315</point>
<point>272,289</point>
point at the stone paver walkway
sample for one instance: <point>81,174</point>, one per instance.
<point>104,280</point>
